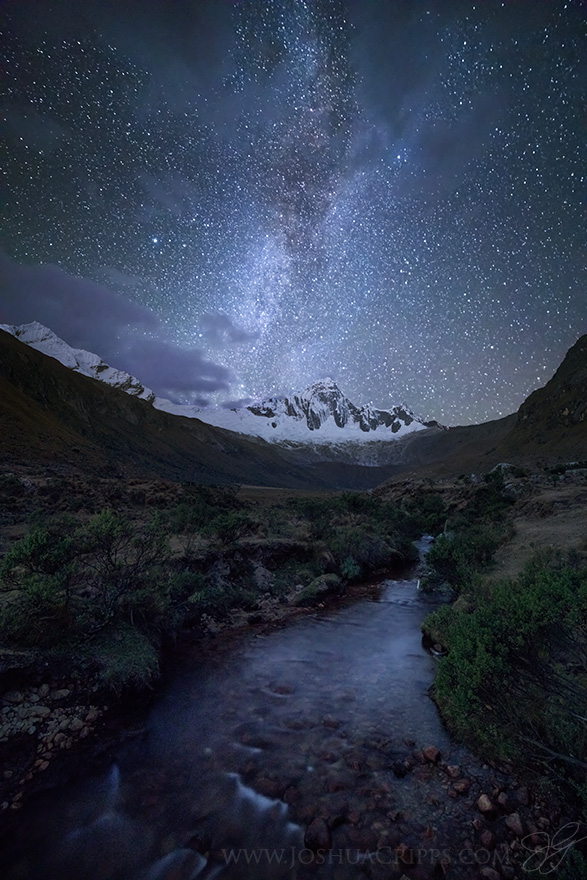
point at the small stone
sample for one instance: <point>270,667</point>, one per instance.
<point>13,697</point>
<point>43,766</point>
<point>506,802</point>
<point>485,805</point>
<point>291,794</point>
<point>76,724</point>
<point>461,786</point>
<point>515,824</point>
<point>488,873</point>
<point>8,774</point>
<point>522,796</point>
<point>317,836</point>
<point>43,691</point>
<point>60,694</point>
<point>332,723</point>
<point>431,754</point>
<point>453,771</point>
<point>92,715</point>
<point>42,711</point>
<point>399,769</point>
<point>405,854</point>
<point>488,839</point>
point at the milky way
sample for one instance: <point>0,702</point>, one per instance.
<point>390,193</point>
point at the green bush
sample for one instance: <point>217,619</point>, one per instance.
<point>125,658</point>
<point>514,682</point>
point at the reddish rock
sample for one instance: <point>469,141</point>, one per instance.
<point>515,824</point>
<point>431,754</point>
<point>462,786</point>
<point>271,788</point>
<point>453,771</point>
<point>337,783</point>
<point>363,839</point>
<point>488,873</point>
<point>488,839</point>
<point>317,836</point>
<point>522,796</point>
<point>405,854</point>
<point>506,802</point>
<point>485,805</point>
<point>291,794</point>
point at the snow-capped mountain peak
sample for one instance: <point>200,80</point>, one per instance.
<point>320,414</point>
<point>44,340</point>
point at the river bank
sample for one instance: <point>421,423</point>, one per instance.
<point>304,746</point>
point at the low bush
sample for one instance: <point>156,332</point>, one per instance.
<point>514,681</point>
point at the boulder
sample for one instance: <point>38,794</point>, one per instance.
<point>318,589</point>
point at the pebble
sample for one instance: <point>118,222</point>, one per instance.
<point>431,754</point>
<point>461,786</point>
<point>485,804</point>
<point>515,824</point>
<point>488,873</point>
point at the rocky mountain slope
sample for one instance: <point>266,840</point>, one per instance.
<point>44,340</point>
<point>53,416</point>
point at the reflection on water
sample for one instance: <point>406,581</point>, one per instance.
<point>247,747</point>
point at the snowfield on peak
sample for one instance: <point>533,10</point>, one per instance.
<point>320,415</point>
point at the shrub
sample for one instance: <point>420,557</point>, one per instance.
<point>125,658</point>
<point>515,678</point>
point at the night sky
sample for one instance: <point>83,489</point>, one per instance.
<point>235,199</point>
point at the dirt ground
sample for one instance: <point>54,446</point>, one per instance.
<point>552,515</point>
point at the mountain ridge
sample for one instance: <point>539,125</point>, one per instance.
<point>321,413</point>
<point>52,416</point>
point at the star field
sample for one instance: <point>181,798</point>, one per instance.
<point>244,197</point>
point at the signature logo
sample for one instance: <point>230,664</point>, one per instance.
<point>547,854</point>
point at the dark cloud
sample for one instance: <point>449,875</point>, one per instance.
<point>90,316</point>
<point>82,312</point>
<point>220,330</point>
<point>174,372</point>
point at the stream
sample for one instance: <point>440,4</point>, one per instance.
<point>291,753</point>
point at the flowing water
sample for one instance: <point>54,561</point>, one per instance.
<point>248,744</point>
